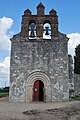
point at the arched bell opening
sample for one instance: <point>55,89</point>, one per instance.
<point>32,29</point>
<point>47,30</point>
<point>38,91</point>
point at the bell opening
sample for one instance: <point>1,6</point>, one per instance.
<point>32,30</point>
<point>47,31</point>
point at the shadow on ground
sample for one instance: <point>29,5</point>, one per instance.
<point>54,114</point>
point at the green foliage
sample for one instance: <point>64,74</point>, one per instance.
<point>77,60</point>
<point>75,98</point>
<point>4,92</point>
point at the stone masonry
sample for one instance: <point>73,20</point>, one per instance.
<point>40,59</point>
<point>77,84</point>
<point>71,76</point>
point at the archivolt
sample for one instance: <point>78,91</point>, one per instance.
<point>38,75</point>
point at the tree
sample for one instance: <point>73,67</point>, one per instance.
<point>77,60</point>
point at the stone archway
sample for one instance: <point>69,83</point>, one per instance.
<point>34,76</point>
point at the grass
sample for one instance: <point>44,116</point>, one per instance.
<point>4,94</point>
<point>75,98</point>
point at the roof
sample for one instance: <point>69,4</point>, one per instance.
<point>40,5</point>
<point>52,11</point>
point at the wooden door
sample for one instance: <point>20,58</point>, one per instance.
<point>38,91</point>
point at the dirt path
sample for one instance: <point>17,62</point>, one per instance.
<point>39,111</point>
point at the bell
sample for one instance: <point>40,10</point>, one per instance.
<point>32,26</point>
<point>47,29</point>
<point>32,34</point>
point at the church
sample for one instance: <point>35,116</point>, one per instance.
<point>39,59</point>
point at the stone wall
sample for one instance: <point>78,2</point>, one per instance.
<point>77,84</point>
<point>48,56</point>
<point>71,75</point>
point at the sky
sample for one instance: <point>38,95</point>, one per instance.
<point>11,12</point>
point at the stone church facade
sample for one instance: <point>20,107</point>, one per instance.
<point>39,59</point>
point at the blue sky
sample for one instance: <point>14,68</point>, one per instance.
<point>68,12</point>
<point>11,12</point>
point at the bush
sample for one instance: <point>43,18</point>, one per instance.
<point>4,92</point>
<point>6,89</point>
<point>75,98</point>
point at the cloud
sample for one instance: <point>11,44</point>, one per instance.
<point>5,25</point>
<point>4,66</point>
<point>73,42</point>
<point>4,71</point>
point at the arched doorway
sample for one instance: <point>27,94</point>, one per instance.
<point>38,91</point>
<point>30,83</point>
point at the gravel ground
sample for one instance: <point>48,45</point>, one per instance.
<point>39,111</point>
